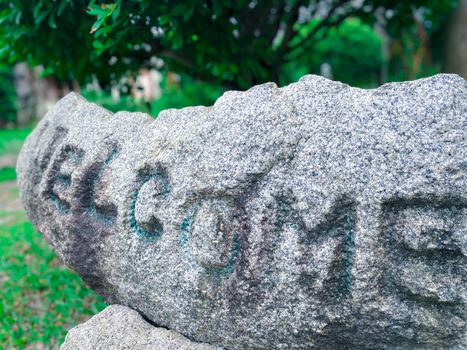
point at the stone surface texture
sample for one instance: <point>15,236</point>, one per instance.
<point>314,216</point>
<point>121,328</point>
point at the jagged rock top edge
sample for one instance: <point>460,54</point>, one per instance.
<point>315,83</point>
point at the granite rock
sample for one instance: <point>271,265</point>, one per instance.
<point>120,328</point>
<point>314,216</point>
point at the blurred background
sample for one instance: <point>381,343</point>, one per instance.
<point>141,55</point>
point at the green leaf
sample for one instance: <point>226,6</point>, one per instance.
<point>188,13</point>
<point>178,10</point>
<point>40,17</point>
<point>97,44</point>
<point>102,32</point>
<point>5,15</point>
<point>116,11</point>
<point>36,9</point>
<point>18,17</point>
<point>97,25</point>
<point>102,12</point>
<point>177,41</point>
<point>61,7</point>
<point>164,19</point>
<point>96,10</point>
<point>4,51</point>
<point>51,22</point>
<point>217,8</point>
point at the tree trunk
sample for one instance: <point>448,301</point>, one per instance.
<point>24,79</point>
<point>456,48</point>
<point>37,95</point>
<point>380,28</point>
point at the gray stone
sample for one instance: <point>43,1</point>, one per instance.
<point>315,216</point>
<point>121,328</point>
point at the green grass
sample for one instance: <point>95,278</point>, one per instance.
<point>40,299</point>
<point>12,139</point>
<point>7,174</point>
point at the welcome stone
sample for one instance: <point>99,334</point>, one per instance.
<point>314,216</point>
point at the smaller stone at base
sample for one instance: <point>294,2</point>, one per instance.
<point>121,328</point>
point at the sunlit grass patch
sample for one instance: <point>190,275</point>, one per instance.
<point>12,139</point>
<point>7,174</point>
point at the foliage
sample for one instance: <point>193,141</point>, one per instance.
<point>40,299</point>
<point>417,50</point>
<point>353,49</point>
<point>53,33</point>
<point>7,95</point>
<point>236,43</point>
<point>188,92</point>
<point>124,103</point>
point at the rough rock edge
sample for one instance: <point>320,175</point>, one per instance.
<point>72,98</point>
<point>118,327</point>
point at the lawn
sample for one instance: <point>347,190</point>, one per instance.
<point>7,173</point>
<point>10,144</point>
<point>11,140</point>
<point>40,298</point>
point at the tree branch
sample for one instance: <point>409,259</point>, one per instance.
<point>176,56</point>
<point>294,55</point>
<point>326,22</point>
<point>290,30</point>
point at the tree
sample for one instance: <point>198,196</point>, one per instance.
<point>456,48</point>
<point>236,43</point>
<point>7,96</point>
